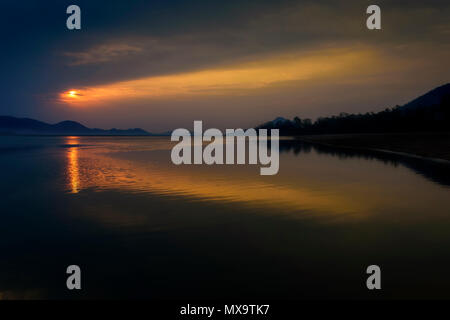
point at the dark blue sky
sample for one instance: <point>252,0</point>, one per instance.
<point>162,64</point>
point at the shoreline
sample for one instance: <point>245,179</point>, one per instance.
<point>426,146</point>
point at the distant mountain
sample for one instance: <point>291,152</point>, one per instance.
<point>434,97</point>
<point>278,122</point>
<point>70,126</point>
<point>429,112</point>
<point>13,125</point>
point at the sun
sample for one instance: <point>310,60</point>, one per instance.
<point>71,96</point>
<point>72,93</point>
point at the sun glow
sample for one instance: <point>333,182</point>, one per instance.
<point>238,79</point>
<point>70,96</point>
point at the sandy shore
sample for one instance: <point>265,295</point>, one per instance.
<point>429,145</point>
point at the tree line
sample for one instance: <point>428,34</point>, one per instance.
<point>397,119</point>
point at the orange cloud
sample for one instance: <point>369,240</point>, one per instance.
<point>236,79</point>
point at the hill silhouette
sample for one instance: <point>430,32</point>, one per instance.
<point>427,113</point>
<point>26,126</point>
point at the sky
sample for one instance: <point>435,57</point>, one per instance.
<point>160,65</point>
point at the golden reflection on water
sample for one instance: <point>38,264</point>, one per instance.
<point>309,186</point>
<point>73,171</point>
<point>103,170</point>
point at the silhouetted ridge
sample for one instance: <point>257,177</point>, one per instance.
<point>70,126</point>
<point>429,112</point>
<point>432,98</point>
<point>12,125</point>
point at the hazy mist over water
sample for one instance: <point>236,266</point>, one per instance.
<point>139,226</point>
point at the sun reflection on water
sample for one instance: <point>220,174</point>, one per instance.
<point>103,170</point>
<point>142,166</point>
<point>73,171</point>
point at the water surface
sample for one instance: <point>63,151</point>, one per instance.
<point>141,227</point>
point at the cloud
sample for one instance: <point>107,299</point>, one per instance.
<point>193,42</point>
<point>102,53</point>
<point>199,54</point>
<point>237,79</point>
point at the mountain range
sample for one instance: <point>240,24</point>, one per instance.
<point>25,126</point>
<point>428,112</point>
